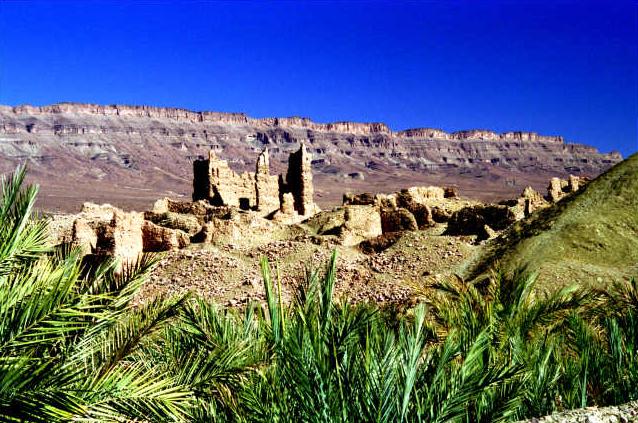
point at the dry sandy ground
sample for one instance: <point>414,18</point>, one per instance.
<point>231,275</point>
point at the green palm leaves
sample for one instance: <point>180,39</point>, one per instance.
<point>75,347</point>
<point>68,336</point>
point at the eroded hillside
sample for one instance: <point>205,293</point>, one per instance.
<point>589,238</point>
<point>131,155</point>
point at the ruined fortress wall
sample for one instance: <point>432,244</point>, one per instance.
<point>299,181</point>
<point>216,182</point>
<point>228,188</point>
<point>266,185</point>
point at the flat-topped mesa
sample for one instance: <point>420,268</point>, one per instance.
<point>303,122</point>
<point>530,136</point>
<point>432,133</point>
<point>477,135</point>
<point>358,128</point>
<point>133,111</point>
<point>215,182</point>
<point>184,115</point>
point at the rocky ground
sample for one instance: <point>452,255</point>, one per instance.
<point>387,244</point>
<point>231,274</point>
<point>616,414</point>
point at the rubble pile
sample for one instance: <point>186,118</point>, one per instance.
<point>236,209</point>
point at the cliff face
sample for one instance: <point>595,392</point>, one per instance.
<point>187,116</point>
<point>130,154</point>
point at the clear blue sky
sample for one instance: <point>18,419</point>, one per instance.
<point>555,67</point>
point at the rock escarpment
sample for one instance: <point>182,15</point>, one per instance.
<point>130,155</point>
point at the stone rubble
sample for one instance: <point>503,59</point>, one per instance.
<point>158,238</point>
<point>623,413</point>
<point>481,220</point>
<point>241,212</point>
<point>559,188</point>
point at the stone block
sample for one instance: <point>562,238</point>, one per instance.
<point>157,238</point>
<point>398,220</point>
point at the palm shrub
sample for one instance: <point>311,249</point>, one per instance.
<point>68,336</point>
<point>217,353</point>
<point>494,349</point>
<point>602,345</point>
<point>321,360</point>
<point>524,327</point>
<point>574,347</point>
<point>620,308</point>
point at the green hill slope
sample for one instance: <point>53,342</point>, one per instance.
<point>589,238</point>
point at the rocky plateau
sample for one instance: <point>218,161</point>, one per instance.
<point>131,155</point>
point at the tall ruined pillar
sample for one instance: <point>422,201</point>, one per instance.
<point>266,185</point>
<point>201,179</point>
<point>299,181</point>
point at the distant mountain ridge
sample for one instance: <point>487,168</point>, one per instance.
<point>304,122</point>
<point>129,155</point>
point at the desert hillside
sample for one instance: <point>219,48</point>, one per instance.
<point>590,237</point>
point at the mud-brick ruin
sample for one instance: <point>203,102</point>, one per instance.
<point>215,182</point>
<point>225,206</point>
<point>229,208</point>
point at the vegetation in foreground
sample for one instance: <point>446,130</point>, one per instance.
<point>74,348</point>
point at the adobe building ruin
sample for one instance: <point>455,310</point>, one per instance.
<point>219,193</point>
<point>299,182</point>
<point>215,182</point>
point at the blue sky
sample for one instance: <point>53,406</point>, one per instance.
<point>556,67</point>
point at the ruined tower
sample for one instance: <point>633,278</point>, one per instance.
<point>299,181</point>
<point>266,185</point>
<point>215,182</point>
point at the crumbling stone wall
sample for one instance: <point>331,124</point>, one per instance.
<point>299,181</point>
<point>125,233</point>
<point>559,188</point>
<point>216,182</point>
<point>108,231</point>
<point>266,185</point>
<point>229,188</point>
<point>531,201</point>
